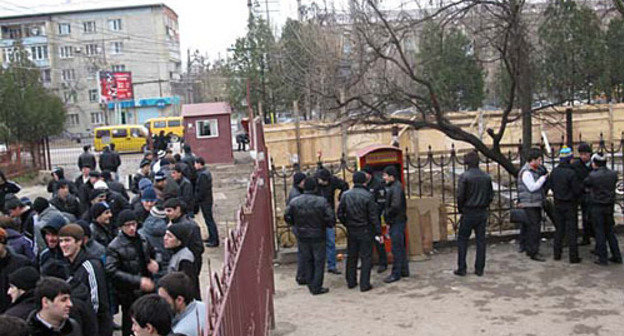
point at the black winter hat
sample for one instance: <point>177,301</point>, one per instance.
<point>159,176</point>
<point>95,173</point>
<point>145,162</point>
<point>55,268</point>
<point>309,184</point>
<point>125,216</point>
<point>368,169</point>
<point>323,174</point>
<point>392,171</point>
<point>359,177</point>
<point>85,227</point>
<point>24,278</point>
<point>584,147</point>
<point>11,202</point>
<point>97,192</point>
<point>40,204</point>
<point>180,232</point>
<point>298,177</point>
<point>106,174</point>
<point>98,208</point>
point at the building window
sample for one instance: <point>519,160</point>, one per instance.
<point>92,71</point>
<point>119,67</point>
<point>93,95</point>
<point>35,30</point>
<point>96,117</point>
<point>208,128</point>
<point>66,51</point>
<point>38,53</point>
<point>64,29</point>
<point>15,32</point>
<point>114,25</point>
<point>116,48</point>
<point>92,49</point>
<point>73,119</point>
<point>70,96</point>
<point>9,54</point>
<point>68,75</point>
<point>89,27</point>
<point>46,76</point>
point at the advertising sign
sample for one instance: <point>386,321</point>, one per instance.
<point>115,86</point>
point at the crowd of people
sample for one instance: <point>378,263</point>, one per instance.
<point>583,182</point>
<point>69,263</point>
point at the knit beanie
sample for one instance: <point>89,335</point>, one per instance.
<point>95,193</point>
<point>40,204</point>
<point>145,162</point>
<point>125,216</point>
<point>323,174</point>
<point>98,208</point>
<point>309,184</point>
<point>359,177</point>
<point>11,202</point>
<point>85,227</point>
<point>298,177</point>
<point>158,212</point>
<point>144,183</point>
<point>72,230</point>
<point>148,195</point>
<point>54,224</point>
<point>95,173</point>
<point>24,278</point>
<point>179,232</point>
<point>55,268</point>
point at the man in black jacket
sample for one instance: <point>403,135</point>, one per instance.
<point>601,184</point>
<point>58,176</point>
<point>86,159</point>
<point>187,194</point>
<point>474,195</point>
<point>396,218</point>
<point>102,230</point>
<point>295,191</point>
<point>327,187</point>
<point>143,172</point>
<point>189,160</point>
<point>375,187</point>
<point>52,317</point>
<point>130,265</point>
<point>22,285</point>
<point>176,213</point>
<point>85,191</point>
<point>89,272</point>
<point>64,201</point>
<point>566,187</point>
<point>311,215</point>
<point>358,212</point>
<point>582,166</point>
<point>203,197</point>
<point>107,160</point>
<point>116,160</point>
<point>113,185</point>
<point>9,263</point>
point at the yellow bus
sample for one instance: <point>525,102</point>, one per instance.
<point>172,126</point>
<point>127,138</point>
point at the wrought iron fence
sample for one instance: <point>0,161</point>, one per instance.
<point>436,175</point>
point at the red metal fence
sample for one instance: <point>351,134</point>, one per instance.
<point>241,296</point>
<point>17,159</point>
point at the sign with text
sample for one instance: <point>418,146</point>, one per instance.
<point>115,86</point>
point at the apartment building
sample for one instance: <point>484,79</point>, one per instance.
<point>70,47</point>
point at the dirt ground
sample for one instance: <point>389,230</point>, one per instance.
<point>516,296</point>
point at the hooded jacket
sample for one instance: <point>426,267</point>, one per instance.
<point>20,244</point>
<point>186,322</point>
<point>153,230</point>
<point>44,217</point>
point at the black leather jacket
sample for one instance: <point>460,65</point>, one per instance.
<point>187,194</point>
<point>329,191</point>
<point>395,203</point>
<point>375,187</point>
<point>294,192</point>
<point>358,210</point>
<point>474,190</point>
<point>102,234</point>
<point>86,159</point>
<point>126,264</point>
<point>601,183</point>
<point>70,205</point>
<point>564,182</point>
<point>203,186</point>
<point>311,215</point>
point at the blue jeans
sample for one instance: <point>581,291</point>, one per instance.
<point>400,266</point>
<point>330,248</point>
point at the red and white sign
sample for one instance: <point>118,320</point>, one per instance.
<point>115,86</point>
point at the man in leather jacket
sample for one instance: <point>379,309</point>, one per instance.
<point>396,218</point>
<point>311,215</point>
<point>582,166</point>
<point>474,195</point>
<point>358,212</point>
<point>375,187</point>
<point>601,184</point>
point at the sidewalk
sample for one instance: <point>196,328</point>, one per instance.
<point>516,296</point>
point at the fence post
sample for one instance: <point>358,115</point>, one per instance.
<point>569,127</point>
<point>406,166</point>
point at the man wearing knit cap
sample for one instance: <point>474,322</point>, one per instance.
<point>601,184</point>
<point>154,228</point>
<point>327,187</point>
<point>87,271</point>
<point>143,172</point>
<point>101,227</point>
<point>582,166</point>
<point>165,186</point>
<point>22,283</point>
<point>22,213</point>
<point>295,191</point>
<point>142,209</point>
<point>93,248</point>
<point>130,265</point>
<point>311,215</point>
<point>46,213</point>
<point>396,218</point>
<point>182,259</point>
<point>567,188</point>
<point>53,251</point>
<point>9,263</point>
<point>358,212</point>
<point>375,186</point>
<point>174,209</point>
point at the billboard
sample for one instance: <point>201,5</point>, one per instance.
<point>115,86</point>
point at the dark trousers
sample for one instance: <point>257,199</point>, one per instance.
<point>301,277</point>
<point>532,234</point>
<point>105,324</point>
<point>126,320</point>
<point>473,220</point>
<point>566,225</point>
<point>313,259</point>
<point>400,267</point>
<point>381,251</point>
<point>602,218</point>
<point>588,230</point>
<point>359,245</point>
<point>213,233</point>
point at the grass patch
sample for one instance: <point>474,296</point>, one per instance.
<point>27,179</point>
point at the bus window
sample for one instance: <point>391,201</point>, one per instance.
<point>102,133</point>
<point>120,133</point>
<point>135,132</point>
<point>174,123</point>
<point>160,124</point>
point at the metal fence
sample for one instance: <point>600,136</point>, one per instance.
<point>241,296</point>
<point>18,159</point>
<point>436,175</point>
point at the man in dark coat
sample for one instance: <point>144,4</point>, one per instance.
<point>567,188</point>
<point>22,284</point>
<point>474,195</point>
<point>203,197</point>
<point>142,209</point>
<point>582,167</point>
<point>187,194</point>
<point>108,160</point>
<point>9,263</point>
<point>358,212</point>
<point>327,187</point>
<point>130,264</point>
<point>375,187</point>
<point>58,176</point>
<point>165,186</point>
<point>22,213</point>
<point>396,218</point>
<point>102,230</point>
<point>311,215</point>
<point>86,189</point>
<point>117,160</point>
<point>52,316</point>
<point>601,184</point>
<point>86,159</point>
<point>64,201</point>
<point>143,172</point>
<point>113,185</point>
<point>89,272</point>
<point>7,187</point>
<point>176,213</point>
<point>295,191</point>
<point>53,251</point>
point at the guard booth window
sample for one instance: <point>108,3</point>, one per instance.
<point>207,128</point>
<point>120,133</point>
